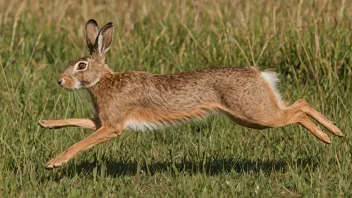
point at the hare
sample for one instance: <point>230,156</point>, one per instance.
<point>144,101</point>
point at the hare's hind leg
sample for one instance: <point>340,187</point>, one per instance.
<point>101,135</point>
<point>278,118</point>
<point>319,117</point>
<point>298,116</point>
<point>297,113</point>
<point>92,123</point>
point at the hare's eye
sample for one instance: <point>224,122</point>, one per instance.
<point>82,66</point>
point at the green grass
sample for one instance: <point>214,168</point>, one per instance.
<point>307,42</point>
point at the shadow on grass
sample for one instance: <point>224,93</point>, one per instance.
<point>208,167</point>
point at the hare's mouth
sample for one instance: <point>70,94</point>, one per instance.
<point>68,83</point>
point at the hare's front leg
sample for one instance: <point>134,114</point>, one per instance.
<point>101,135</point>
<point>92,123</point>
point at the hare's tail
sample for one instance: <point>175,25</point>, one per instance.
<point>272,79</point>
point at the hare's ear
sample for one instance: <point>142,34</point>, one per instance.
<point>104,39</point>
<point>92,31</point>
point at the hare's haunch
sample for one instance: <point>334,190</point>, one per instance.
<point>144,101</point>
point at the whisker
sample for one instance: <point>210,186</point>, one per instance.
<point>84,102</point>
<point>75,101</point>
<point>75,93</point>
<point>80,99</point>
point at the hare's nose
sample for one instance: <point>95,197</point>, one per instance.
<point>59,82</point>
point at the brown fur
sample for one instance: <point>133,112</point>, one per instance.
<point>142,99</point>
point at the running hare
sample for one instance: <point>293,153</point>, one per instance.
<point>140,101</point>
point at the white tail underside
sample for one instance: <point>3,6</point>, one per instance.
<point>272,79</point>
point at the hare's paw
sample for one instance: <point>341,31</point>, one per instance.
<point>336,130</point>
<point>42,123</point>
<point>57,161</point>
<point>47,124</point>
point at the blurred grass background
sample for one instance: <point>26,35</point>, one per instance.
<point>307,42</point>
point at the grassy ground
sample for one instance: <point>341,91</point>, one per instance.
<point>308,42</point>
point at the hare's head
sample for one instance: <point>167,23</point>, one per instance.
<point>87,71</point>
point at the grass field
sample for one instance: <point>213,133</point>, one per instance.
<point>307,42</point>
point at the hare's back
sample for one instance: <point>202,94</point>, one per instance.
<point>214,85</point>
